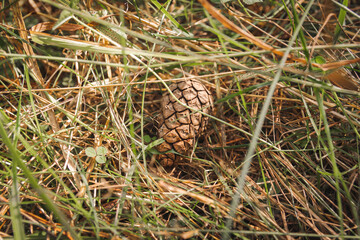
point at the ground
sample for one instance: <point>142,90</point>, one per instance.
<point>81,93</point>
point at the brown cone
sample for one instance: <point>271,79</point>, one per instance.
<point>179,125</point>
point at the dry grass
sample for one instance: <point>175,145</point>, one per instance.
<point>87,91</point>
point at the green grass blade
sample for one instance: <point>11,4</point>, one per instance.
<point>15,205</point>
<point>168,15</point>
<point>341,20</point>
<point>301,33</point>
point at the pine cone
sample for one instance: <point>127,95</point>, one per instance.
<point>179,125</point>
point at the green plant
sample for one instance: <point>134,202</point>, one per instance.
<point>99,154</point>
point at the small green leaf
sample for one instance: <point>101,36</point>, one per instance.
<point>320,60</point>
<point>90,152</point>
<point>147,139</point>
<point>100,159</point>
<point>101,151</point>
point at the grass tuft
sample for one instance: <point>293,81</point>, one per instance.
<point>80,90</point>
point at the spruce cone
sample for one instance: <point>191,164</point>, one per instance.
<point>179,125</point>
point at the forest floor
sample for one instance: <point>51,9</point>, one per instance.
<point>81,86</point>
